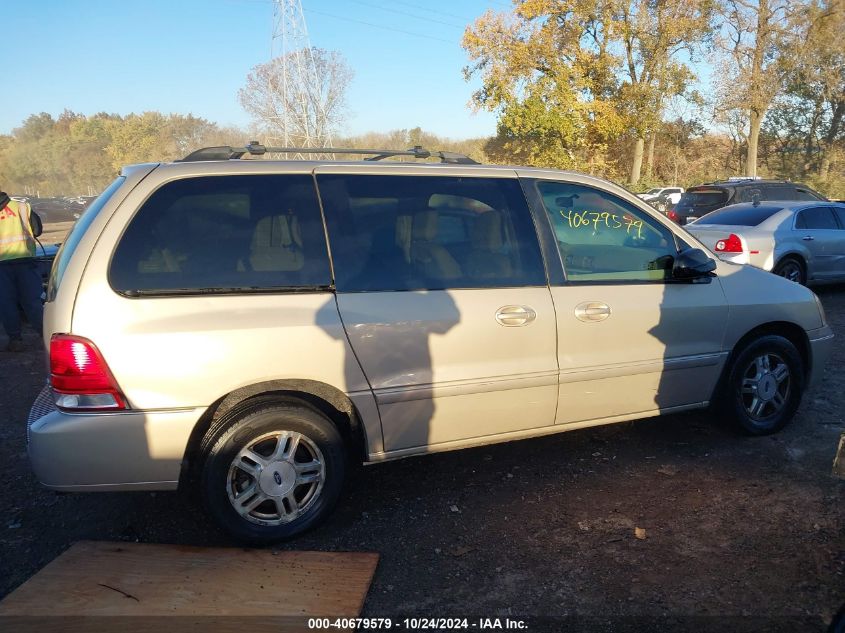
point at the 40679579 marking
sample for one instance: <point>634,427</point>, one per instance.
<point>586,219</point>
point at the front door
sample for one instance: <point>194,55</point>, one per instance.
<point>630,341</point>
<point>442,292</point>
<point>818,230</point>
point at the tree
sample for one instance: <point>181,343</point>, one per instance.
<point>759,41</point>
<point>568,77</point>
<point>653,34</point>
<point>300,97</point>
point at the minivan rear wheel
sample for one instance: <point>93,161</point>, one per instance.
<point>764,386</point>
<point>274,472</point>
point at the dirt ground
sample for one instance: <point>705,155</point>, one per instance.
<point>740,533</point>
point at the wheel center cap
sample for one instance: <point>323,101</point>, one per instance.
<point>277,479</point>
<point>767,387</point>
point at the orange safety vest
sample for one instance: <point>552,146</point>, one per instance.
<point>16,237</point>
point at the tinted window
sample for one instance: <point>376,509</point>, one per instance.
<point>603,238</point>
<point>748,194</point>
<point>704,198</point>
<point>840,212</point>
<point>780,192</point>
<point>803,194</point>
<point>740,215</point>
<point>75,235</point>
<point>429,232</point>
<point>816,218</point>
<point>224,232</point>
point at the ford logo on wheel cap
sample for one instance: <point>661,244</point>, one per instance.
<point>277,478</point>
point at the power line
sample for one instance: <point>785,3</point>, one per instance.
<point>417,17</point>
<point>435,11</point>
<point>379,26</point>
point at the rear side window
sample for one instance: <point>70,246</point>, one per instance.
<point>72,241</point>
<point>224,233</point>
<point>740,215</point>
<point>704,197</point>
<point>816,218</point>
<point>429,232</point>
<point>804,194</point>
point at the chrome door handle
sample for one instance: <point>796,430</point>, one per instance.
<point>592,311</point>
<point>808,238</point>
<point>514,316</point>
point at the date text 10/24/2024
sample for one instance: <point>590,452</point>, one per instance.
<point>417,624</point>
<point>595,219</point>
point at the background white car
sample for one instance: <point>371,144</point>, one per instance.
<point>800,240</point>
<point>658,192</point>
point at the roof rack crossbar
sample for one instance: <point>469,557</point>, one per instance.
<point>226,152</point>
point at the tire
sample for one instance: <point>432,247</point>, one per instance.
<point>763,387</point>
<point>281,463</point>
<point>793,269</point>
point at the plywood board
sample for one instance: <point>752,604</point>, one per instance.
<point>122,579</point>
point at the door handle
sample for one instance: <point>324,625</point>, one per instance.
<point>808,238</point>
<point>592,311</point>
<point>514,316</point>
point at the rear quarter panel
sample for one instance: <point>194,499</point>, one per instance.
<point>183,352</point>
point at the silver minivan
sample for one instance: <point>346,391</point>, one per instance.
<point>249,328</point>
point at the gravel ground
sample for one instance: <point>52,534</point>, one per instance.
<point>734,526</point>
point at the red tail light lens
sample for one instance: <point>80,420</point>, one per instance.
<point>730,245</point>
<point>80,377</point>
<point>672,215</point>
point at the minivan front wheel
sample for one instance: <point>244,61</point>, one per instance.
<point>765,384</point>
<point>274,472</point>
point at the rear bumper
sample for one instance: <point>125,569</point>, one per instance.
<point>132,450</point>
<point>821,345</point>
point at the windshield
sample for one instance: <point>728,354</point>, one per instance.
<point>704,198</point>
<point>739,215</point>
<point>75,236</point>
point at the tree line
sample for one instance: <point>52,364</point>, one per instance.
<point>593,86</point>
<point>601,86</point>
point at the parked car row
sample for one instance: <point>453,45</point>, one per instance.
<point>701,200</point>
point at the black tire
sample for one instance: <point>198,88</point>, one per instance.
<point>262,429</point>
<point>760,402</point>
<point>793,269</point>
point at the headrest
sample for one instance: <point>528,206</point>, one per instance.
<point>277,230</point>
<point>425,225</point>
<point>485,232</point>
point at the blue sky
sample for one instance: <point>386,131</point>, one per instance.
<point>192,56</point>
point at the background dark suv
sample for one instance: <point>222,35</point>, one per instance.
<point>697,201</point>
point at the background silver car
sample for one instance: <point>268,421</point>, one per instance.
<point>800,240</point>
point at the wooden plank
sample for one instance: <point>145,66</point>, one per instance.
<point>97,578</point>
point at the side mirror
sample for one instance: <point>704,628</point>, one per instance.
<point>691,264</point>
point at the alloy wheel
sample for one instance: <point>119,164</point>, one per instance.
<point>276,478</point>
<point>765,386</point>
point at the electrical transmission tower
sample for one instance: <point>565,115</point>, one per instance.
<point>298,80</point>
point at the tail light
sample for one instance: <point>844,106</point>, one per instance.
<point>80,378</point>
<point>672,215</point>
<point>731,244</point>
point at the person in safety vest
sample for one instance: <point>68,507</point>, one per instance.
<point>20,281</point>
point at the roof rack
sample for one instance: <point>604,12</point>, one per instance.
<point>254,148</point>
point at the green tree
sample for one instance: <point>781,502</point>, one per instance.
<point>569,77</point>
